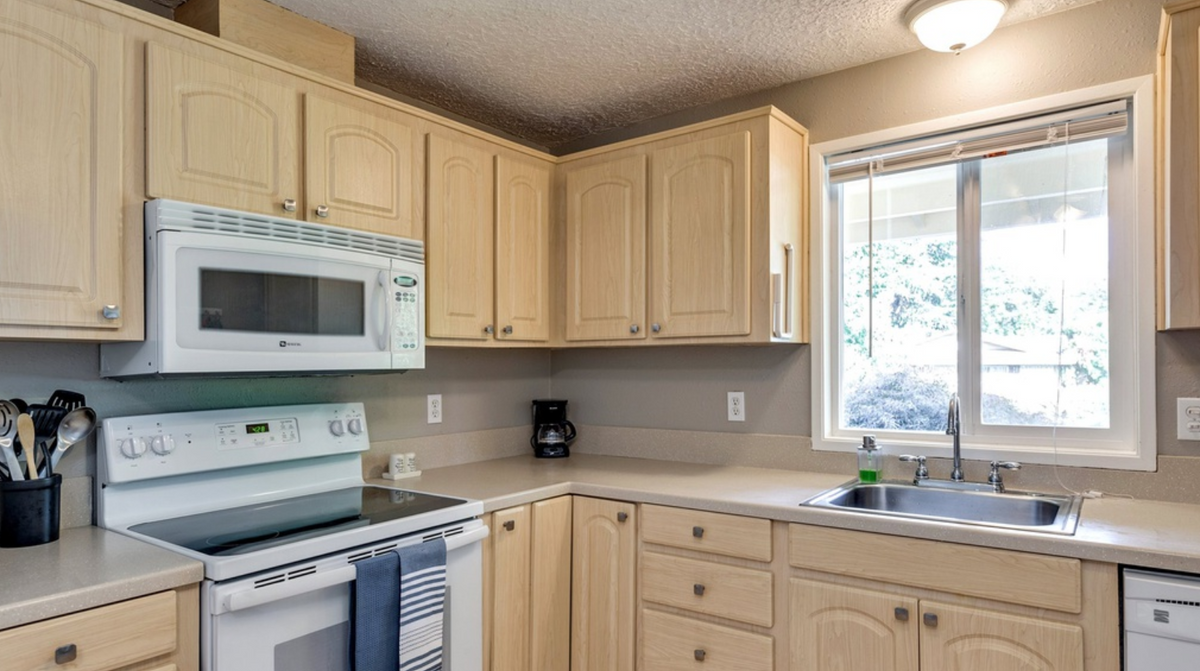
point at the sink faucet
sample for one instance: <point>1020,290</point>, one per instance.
<point>954,428</point>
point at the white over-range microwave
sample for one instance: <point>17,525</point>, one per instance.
<point>232,293</point>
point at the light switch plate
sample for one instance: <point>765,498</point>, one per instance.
<point>1188,418</point>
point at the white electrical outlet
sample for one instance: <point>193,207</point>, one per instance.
<point>433,409</point>
<point>737,406</point>
<point>1188,418</point>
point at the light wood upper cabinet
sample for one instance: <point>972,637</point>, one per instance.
<point>604,563</point>
<point>605,250</point>
<point>61,121</point>
<point>1178,155</point>
<point>522,250</point>
<point>700,238</point>
<point>460,250</point>
<point>363,166</point>
<point>835,628</point>
<point>220,136</point>
<point>954,638</point>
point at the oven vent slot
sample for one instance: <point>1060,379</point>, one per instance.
<point>174,215</point>
<point>370,553</point>
<point>1175,602</point>
<point>445,534</point>
<point>301,572</point>
<point>284,577</point>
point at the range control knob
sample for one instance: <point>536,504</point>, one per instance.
<point>132,448</point>
<point>354,426</point>
<point>336,427</point>
<point>162,445</point>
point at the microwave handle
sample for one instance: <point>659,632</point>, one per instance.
<point>252,597</point>
<point>381,300</point>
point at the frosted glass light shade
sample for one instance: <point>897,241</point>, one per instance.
<point>953,25</point>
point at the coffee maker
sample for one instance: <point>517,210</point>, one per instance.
<point>551,430</point>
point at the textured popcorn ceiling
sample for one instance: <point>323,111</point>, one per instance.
<point>557,70</point>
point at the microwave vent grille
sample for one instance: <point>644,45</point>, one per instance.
<point>173,215</point>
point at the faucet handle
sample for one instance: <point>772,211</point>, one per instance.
<point>994,478</point>
<point>922,470</point>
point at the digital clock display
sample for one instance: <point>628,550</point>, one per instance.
<point>262,427</point>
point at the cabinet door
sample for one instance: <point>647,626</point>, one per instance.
<point>459,250</point>
<point>522,250</point>
<point>219,136</point>
<point>606,259</point>
<point>835,628</point>
<point>511,532</point>
<point>60,165</point>
<point>968,639</point>
<point>362,162</point>
<point>700,238</point>
<point>603,564</point>
<point>550,586</point>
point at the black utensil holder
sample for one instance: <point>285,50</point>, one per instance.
<point>29,511</point>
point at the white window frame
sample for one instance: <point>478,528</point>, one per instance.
<point>1068,447</point>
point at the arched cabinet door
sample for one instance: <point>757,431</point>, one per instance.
<point>221,136</point>
<point>603,582</point>
<point>522,250</point>
<point>61,97</point>
<point>835,627</point>
<point>363,165</point>
<point>954,638</point>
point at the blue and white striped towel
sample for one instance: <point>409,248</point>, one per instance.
<point>422,601</point>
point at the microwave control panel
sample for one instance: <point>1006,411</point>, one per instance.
<point>407,313</point>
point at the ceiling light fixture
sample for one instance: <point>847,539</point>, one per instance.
<point>953,25</point>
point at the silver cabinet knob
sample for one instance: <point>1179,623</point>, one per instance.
<point>289,204</point>
<point>111,312</point>
<point>322,211</point>
<point>508,330</point>
<point>634,328</point>
<point>656,327</point>
<point>489,329</point>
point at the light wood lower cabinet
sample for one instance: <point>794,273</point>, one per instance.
<point>836,627</point>
<point>528,568</point>
<point>150,633</point>
<point>954,638</point>
<point>603,585</point>
<point>673,643</point>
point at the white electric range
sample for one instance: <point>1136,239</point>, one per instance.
<point>272,501</point>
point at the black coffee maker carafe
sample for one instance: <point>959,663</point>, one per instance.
<point>551,430</point>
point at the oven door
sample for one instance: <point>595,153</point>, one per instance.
<point>297,618</point>
<point>233,304</point>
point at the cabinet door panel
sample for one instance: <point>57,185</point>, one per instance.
<point>603,565</point>
<point>968,639</point>
<point>700,237</point>
<point>522,250</point>
<point>362,165</point>
<point>459,250</point>
<point>550,586</point>
<point>606,260</point>
<point>219,136</point>
<point>60,166</point>
<point>836,628</point>
<point>510,561</point>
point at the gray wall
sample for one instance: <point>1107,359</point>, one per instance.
<point>684,388</point>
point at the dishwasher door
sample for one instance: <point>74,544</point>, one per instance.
<point>1162,621</point>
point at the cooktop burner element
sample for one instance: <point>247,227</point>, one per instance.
<point>259,526</point>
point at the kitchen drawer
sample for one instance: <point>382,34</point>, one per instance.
<point>105,638</point>
<point>730,535</point>
<point>733,592</point>
<point>1001,575</point>
<point>673,643</point>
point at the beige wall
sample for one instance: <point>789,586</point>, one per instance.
<point>684,388</point>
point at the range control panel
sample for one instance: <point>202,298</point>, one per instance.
<point>154,446</point>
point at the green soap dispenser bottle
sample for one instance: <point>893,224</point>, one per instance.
<point>870,461</point>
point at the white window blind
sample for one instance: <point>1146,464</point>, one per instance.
<point>1101,120</point>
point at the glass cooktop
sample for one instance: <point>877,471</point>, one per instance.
<point>244,529</point>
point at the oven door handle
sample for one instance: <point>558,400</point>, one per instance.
<point>250,598</point>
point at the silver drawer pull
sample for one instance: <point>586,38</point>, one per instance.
<point>699,655</point>
<point>111,312</point>
<point>698,589</point>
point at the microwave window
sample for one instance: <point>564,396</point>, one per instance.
<point>283,304</point>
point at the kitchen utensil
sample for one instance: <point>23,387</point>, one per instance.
<point>22,406</point>
<point>46,419</point>
<point>28,438</point>
<point>75,426</point>
<point>8,430</point>
<point>67,400</point>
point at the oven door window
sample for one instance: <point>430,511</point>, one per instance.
<point>308,632</point>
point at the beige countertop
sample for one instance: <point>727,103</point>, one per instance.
<point>1152,534</point>
<point>86,567</point>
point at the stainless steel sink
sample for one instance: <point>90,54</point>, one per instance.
<point>1025,511</point>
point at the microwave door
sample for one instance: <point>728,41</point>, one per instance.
<point>272,306</point>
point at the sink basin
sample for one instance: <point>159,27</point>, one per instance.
<point>1011,510</point>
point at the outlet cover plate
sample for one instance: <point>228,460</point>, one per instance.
<point>737,406</point>
<point>1188,418</point>
<point>433,409</point>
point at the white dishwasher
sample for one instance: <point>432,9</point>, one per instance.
<point>1162,621</point>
